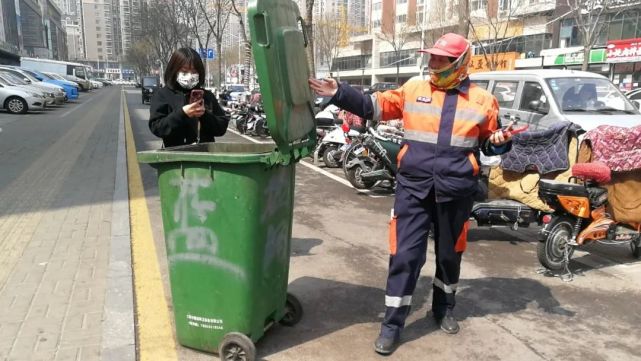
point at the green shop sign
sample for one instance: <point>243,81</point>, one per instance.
<point>596,56</point>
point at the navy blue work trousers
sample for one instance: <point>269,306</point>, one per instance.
<point>409,228</point>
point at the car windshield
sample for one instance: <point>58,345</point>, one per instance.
<point>589,95</point>
<point>149,81</point>
<point>236,88</point>
<point>14,79</point>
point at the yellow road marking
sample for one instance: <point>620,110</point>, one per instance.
<point>154,333</point>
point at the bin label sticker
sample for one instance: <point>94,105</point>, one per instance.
<point>205,322</point>
<point>277,195</point>
<point>195,243</point>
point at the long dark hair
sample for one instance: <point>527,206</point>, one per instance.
<point>180,58</point>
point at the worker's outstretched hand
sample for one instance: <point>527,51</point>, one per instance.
<point>324,87</point>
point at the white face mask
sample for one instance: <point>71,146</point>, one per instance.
<point>187,80</point>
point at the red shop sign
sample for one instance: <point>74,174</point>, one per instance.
<point>623,51</point>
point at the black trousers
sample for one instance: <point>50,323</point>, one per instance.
<point>409,229</point>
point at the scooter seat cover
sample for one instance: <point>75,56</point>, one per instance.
<point>618,147</point>
<point>544,151</point>
<point>564,188</point>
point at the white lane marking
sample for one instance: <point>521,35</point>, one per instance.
<point>78,107</point>
<point>340,180</point>
<point>248,137</point>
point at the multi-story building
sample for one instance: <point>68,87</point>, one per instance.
<point>75,46</point>
<point>10,43</point>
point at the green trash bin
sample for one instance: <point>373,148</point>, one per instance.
<point>227,208</point>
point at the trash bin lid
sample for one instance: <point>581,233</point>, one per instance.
<point>278,45</point>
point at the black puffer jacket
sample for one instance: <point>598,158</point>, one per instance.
<point>168,121</point>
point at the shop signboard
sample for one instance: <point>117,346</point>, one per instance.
<point>596,56</point>
<point>502,61</point>
<point>624,51</point>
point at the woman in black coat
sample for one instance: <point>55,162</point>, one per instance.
<point>172,117</point>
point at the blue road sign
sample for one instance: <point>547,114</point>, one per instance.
<point>207,53</point>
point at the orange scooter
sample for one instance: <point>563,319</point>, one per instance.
<point>580,217</point>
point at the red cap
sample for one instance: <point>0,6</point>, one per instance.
<point>450,44</point>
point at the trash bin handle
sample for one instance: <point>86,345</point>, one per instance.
<point>262,20</point>
<point>301,22</point>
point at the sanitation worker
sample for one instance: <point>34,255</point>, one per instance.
<point>447,121</point>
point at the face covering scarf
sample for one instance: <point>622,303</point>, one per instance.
<point>187,80</point>
<point>450,76</point>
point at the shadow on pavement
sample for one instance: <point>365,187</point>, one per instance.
<point>330,306</point>
<point>481,297</point>
<point>303,246</point>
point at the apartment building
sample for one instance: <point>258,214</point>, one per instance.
<point>505,34</point>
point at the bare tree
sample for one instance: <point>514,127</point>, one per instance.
<point>496,20</point>
<point>440,19</point>
<point>309,28</point>
<point>164,31</point>
<point>327,33</point>
<point>397,37</point>
<point>216,14</point>
<point>138,57</point>
<point>247,59</point>
<point>589,16</point>
<point>463,8</point>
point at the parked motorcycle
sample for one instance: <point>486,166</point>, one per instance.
<point>372,157</point>
<point>580,217</point>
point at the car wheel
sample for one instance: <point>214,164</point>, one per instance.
<point>16,105</point>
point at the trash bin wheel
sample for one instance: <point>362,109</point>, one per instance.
<point>293,311</point>
<point>237,347</point>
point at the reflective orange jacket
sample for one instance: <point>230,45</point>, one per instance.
<point>444,131</point>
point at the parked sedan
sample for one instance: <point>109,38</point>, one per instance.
<point>15,81</point>
<point>17,100</point>
<point>58,92</point>
<point>70,88</point>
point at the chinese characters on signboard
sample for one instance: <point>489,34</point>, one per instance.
<point>624,51</point>
<point>502,61</point>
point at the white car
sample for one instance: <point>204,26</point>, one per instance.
<point>18,100</point>
<point>238,92</point>
<point>96,84</point>
<point>542,97</point>
<point>14,81</point>
<point>57,90</point>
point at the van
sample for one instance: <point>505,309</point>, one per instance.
<point>542,97</point>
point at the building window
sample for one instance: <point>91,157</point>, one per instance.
<point>99,43</point>
<point>401,18</point>
<point>376,23</point>
<point>478,5</point>
<point>352,62</point>
<point>377,6</point>
<point>403,58</point>
<point>401,1</point>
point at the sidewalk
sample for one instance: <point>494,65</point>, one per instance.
<point>65,275</point>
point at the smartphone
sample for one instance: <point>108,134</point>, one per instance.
<point>196,95</point>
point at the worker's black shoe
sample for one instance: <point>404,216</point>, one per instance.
<point>447,323</point>
<point>386,345</point>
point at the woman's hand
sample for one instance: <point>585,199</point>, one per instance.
<point>194,110</point>
<point>325,87</point>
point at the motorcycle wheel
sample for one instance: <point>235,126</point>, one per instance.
<point>261,129</point>
<point>550,252</point>
<point>636,248</point>
<point>353,174</point>
<point>241,125</point>
<point>328,157</point>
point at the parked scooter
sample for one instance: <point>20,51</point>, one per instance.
<point>372,157</point>
<point>580,217</point>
